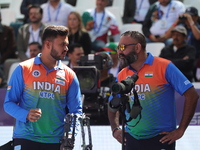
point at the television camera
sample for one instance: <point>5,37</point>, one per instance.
<point>96,95</point>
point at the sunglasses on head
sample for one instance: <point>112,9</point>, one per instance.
<point>122,47</point>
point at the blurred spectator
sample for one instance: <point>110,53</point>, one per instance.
<point>160,16</point>
<point>7,43</point>
<point>35,49</point>
<point>77,33</point>
<point>99,22</point>
<point>190,20</point>
<point>30,32</point>
<point>135,10</point>
<point>111,49</point>
<point>3,82</point>
<point>56,12</point>
<point>26,4</point>
<point>74,54</point>
<point>180,53</point>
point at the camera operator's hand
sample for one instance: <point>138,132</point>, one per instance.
<point>189,18</point>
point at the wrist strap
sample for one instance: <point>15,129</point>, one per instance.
<point>115,129</point>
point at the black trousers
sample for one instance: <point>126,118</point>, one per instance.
<point>24,144</point>
<point>147,144</point>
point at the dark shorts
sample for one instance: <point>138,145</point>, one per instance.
<point>24,144</point>
<point>147,144</point>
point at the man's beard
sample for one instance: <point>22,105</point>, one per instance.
<point>127,59</point>
<point>54,54</point>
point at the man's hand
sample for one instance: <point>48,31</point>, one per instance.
<point>118,135</point>
<point>89,25</point>
<point>34,114</point>
<point>172,136</point>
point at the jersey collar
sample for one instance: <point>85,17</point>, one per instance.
<point>38,61</point>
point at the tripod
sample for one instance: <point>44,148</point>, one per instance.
<point>134,111</point>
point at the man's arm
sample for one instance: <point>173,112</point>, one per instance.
<point>114,122</point>
<point>13,96</point>
<point>147,21</point>
<point>191,99</point>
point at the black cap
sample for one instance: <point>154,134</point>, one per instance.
<point>192,11</point>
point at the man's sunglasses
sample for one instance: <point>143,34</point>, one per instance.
<point>122,47</point>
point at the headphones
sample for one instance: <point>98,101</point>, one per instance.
<point>107,59</point>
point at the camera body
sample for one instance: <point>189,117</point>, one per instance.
<point>125,86</point>
<point>96,92</point>
<point>182,18</point>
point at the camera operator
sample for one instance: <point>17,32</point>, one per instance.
<point>95,106</point>
<point>74,54</point>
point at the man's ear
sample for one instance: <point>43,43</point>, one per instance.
<point>138,48</point>
<point>48,44</point>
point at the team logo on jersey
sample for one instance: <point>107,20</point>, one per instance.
<point>36,73</point>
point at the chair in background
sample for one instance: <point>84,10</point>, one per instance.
<point>132,27</point>
<point>155,48</point>
<point>15,6</point>
<point>12,68</point>
<point>8,16</point>
<point>116,12</point>
<point>120,4</point>
<point>85,4</point>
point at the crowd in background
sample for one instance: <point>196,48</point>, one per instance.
<point>95,28</point>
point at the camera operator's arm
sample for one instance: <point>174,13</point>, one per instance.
<point>191,22</point>
<point>114,122</point>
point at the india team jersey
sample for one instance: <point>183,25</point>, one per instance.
<point>155,86</point>
<point>34,86</point>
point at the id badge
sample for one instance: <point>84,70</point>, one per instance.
<point>163,24</point>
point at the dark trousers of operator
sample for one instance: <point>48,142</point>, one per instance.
<point>23,144</point>
<point>147,144</point>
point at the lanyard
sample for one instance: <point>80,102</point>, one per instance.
<point>33,35</point>
<point>160,13</point>
<point>49,15</point>
<point>95,26</point>
<point>140,5</point>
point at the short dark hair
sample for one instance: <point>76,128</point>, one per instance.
<point>52,31</point>
<point>36,43</point>
<point>137,36</point>
<point>36,6</point>
<point>72,46</point>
